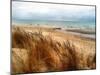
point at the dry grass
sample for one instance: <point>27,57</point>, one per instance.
<point>33,52</point>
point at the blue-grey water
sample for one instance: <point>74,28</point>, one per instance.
<point>62,24</point>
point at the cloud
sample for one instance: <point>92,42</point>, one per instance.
<point>41,11</point>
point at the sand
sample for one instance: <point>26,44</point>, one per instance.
<point>84,44</point>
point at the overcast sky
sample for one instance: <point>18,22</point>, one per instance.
<point>43,11</point>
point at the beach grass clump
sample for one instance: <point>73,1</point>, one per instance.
<point>34,52</point>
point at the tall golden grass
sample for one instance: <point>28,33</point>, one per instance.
<point>33,52</point>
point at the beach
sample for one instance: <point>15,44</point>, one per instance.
<point>52,37</point>
<point>84,43</point>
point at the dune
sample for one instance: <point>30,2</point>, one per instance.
<point>44,49</point>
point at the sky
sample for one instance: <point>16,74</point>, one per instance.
<point>55,12</point>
